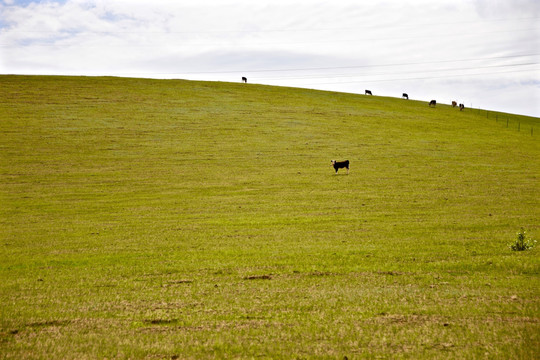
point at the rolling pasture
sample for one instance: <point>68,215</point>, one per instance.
<point>170,219</point>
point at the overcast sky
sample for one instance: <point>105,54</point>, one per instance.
<point>483,53</point>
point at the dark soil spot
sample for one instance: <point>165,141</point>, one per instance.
<point>161,321</point>
<point>258,277</point>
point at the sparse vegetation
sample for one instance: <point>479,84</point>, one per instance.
<point>169,219</point>
<point>522,243</point>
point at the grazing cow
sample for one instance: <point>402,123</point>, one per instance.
<point>405,96</point>
<point>432,102</point>
<point>244,79</point>
<point>340,164</point>
<point>461,107</point>
<point>368,92</point>
<point>454,104</point>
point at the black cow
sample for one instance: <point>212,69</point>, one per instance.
<point>340,164</point>
<point>432,102</point>
<point>405,96</point>
<point>244,79</point>
<point>368,92</point>
<point>461,107</point>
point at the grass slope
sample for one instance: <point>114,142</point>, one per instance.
<point>175,219</point>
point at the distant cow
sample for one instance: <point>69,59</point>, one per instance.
<point>432,103</point>
<point>405,96</point>
<point>244,79</point>
<point>340,164</point>
<point>454,104</point>
<point>368,92</point>
<point>461,107</point>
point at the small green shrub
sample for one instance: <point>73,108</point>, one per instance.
<point>522,243</point>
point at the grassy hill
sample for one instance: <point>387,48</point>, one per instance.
<point>174,219</point>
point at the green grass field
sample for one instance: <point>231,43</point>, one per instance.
<point>169,219</point>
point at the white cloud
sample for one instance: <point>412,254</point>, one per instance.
<point>443,49</point>
<point>504,8</point>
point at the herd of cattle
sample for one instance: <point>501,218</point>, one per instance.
<point>345,164</point>
<point>432,103</point>
<point>405,96</point>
